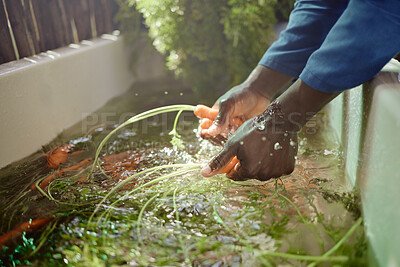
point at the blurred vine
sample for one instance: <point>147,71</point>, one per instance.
<point>212,45</point>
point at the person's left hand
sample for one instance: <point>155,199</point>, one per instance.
<point>264,148</point>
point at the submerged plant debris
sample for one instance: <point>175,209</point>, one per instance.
<point>144,203</point>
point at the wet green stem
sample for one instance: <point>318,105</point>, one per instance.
<point>137,118</point>
<point>340,242</point>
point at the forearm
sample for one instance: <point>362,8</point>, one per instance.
<point>267,81</point>
<point>298,104</point>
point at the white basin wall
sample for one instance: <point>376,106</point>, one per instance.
<point>42,95</point>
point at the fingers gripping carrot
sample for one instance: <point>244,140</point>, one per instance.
<point>23,227</point>
<point>204,112</point>
<point>206,123</point>
<point>210,114</point>
<point>230,166</point>
<point>207,116</point>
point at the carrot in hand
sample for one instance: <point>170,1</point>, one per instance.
<point>230,166</point>
<point>204,112</point>
<point>207,116</point>
<point>210,114</point>
<point>23,227</point>
<point>206,123</point>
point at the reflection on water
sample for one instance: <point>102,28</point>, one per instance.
<point>183,220</point>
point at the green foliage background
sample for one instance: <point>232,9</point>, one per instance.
<point>211,44</point>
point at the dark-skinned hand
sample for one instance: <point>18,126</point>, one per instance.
<point>262,145</point>
<point>245,101</point>
<point>238,104</point>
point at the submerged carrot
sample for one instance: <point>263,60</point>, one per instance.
<point>59,155</point>
<point>46,181</point>
<point>82,179</point>
<point>77,166</point>
<point>122,165</point>
<point>123,156</point>
<point>23,227</point>
<point>230,166</point>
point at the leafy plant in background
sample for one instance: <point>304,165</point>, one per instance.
<point>210,44</point>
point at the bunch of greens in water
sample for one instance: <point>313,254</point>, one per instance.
<point>176,217</point>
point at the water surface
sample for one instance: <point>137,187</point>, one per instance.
<point>186,219</point>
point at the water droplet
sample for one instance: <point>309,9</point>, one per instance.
<point>292,143</point>
<point>261,127</point>
<point>264,138</point>
<point>277,146</point>
<point>259,122</point>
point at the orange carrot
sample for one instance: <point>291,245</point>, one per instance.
<point>111,159</point>
<point>237,122</point>
<point>23,227</point>
<point>118,166</point>
<point>82,179</point>
<point>230,166</point>
<point>210,114</point>
<point>77,166</point>
<point>206,123</point>
<point>46,181</point>
<point>204,112</point>
<point>75,153</point>
<point>58,156</point>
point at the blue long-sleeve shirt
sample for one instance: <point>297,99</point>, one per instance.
<point>334,45</point>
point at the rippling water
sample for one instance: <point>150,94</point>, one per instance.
<point>183,220</point>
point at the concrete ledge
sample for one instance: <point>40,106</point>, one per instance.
<point>44,94</point>
<point>367,121</point>
<point>379,176</point>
